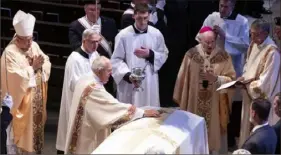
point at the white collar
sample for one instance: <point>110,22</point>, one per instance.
<point>97,79</point>
<point>266,42</point>
<point>259,126</point>
<point>133,5</point>
<point>91,23</point>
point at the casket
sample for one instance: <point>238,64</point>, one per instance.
<point>175,132</point>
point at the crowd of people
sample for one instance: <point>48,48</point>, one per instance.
<point>98,90</point>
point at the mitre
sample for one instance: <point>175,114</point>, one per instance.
<point>24,23</point>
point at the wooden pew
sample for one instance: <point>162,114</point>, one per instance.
<point>47,31</point>
<point>67,12</point>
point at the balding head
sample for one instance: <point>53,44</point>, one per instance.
<point>208,41</point>
<point>102,68</point>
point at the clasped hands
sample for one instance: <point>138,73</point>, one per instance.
<point>142,52</point>
<point>147,113</point>
<point>37,62</point>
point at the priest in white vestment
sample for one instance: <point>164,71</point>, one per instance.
<point>25,71</point>
<point>261,73</point>
<point>94,111</point>
<point>77,65</point>
<point>139,45</point>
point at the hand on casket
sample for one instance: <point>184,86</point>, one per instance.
<point>151,113</point>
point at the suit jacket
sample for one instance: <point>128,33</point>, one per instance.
<point>6,119</point>
<point>108,31</point>
<point>262,141</point>
<point>277,131</point>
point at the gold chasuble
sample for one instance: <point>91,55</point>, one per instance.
<point>195,95</point>
<point>29,91</point>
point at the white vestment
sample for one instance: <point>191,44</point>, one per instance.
<point>263,64</point>
<point>124,59</point>
<point>93,112</point>
<point>236,40</point>
<point>76,65</point>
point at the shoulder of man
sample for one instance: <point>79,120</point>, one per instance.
<point>242,19</point>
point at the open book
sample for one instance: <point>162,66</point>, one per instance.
<point>233,83</point>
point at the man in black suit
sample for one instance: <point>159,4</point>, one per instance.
<point>106,27</point>
<point>6,119</point>
<point>262,139</point>
<point>277,109</point>
<point>157,15</point>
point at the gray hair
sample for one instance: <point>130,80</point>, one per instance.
<point>262,24</point>
<point>87,33</point>
<point>99,63</point>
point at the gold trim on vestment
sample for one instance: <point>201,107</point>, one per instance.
<point>79,118</point>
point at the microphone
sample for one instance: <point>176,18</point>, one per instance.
<point>205,84</point>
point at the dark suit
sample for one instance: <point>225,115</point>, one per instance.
<point>262,141</point>
<point>108,31</point>
<point>6,119</point>
<point>277,131</point>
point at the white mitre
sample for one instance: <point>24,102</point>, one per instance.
<point>241,151</point>
<point>24,23</point>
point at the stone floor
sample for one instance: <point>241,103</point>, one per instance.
<point>51,126</point>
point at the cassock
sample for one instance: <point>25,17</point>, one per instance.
<point>78,64</point>
<point>263,66</point>
<point>93,113</point>
<point>157,17</point>
<point>191,94</point>
<point>108,32</point>
<point>124,60</point>
<point>29,91</point>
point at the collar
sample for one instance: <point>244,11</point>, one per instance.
<point>232,16</point>
<point>91,23</point>
<point>82,52</point>
<point>259,126</point>
<point>137,31</point>
<point>266,42</point>
<point>97,79</point>
<point>132,5</point>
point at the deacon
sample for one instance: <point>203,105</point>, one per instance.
<point>157,17</point>
<point>105,26</point>
<point>92,20</point>
<point>139,45</point>
<point>77,64</point>
<point>233,36</point>
<point>261,74</point>
<point>204,68</point>
<point>25,71</point>
<point>94,111</point>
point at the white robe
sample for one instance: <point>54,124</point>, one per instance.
<point>76,66</point>
<point>262,63</point>
<point>93,112</point>
<point>236,40</point>
<point>124,59</point>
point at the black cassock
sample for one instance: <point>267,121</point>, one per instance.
<point>108,31</point>
<point>6,119</point>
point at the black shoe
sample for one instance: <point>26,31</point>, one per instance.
<point>265,11</point>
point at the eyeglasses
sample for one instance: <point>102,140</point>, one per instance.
<point>26,39</point>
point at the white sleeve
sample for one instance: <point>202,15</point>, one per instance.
<point>241,40</point>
